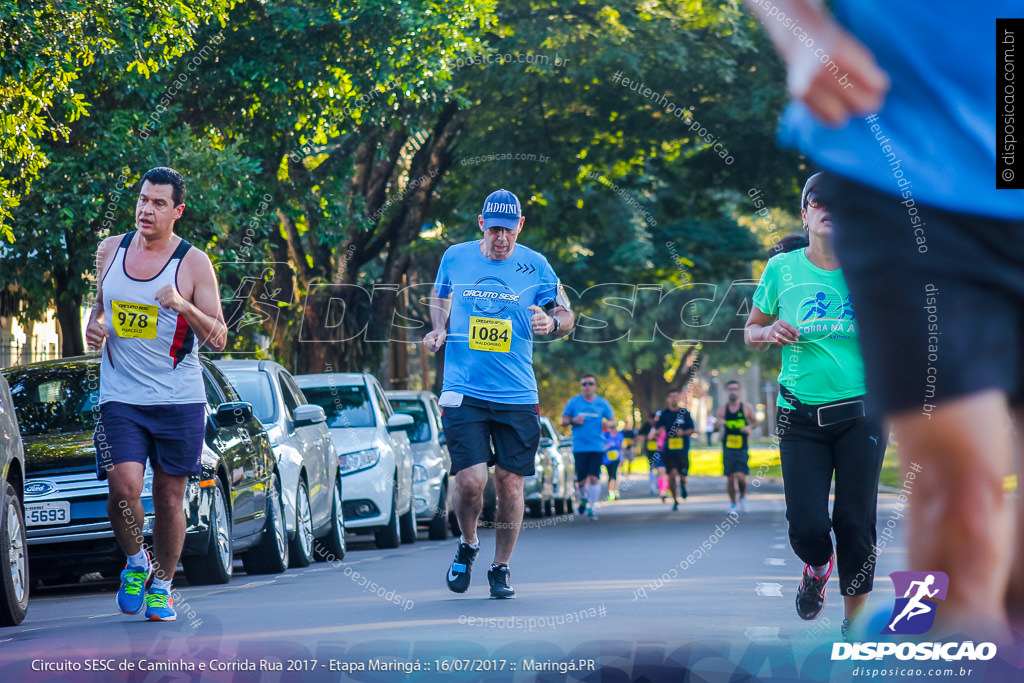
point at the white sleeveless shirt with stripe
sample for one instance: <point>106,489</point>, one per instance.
<point>151,356</point>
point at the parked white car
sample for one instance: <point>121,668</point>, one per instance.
<point>430,450</point>
<point>306,458</point>
<point>374,452</point>
<point>564,479</point>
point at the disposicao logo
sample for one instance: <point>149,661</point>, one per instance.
<point>914,614</point>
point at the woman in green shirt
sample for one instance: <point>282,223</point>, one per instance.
<point>802,306</point>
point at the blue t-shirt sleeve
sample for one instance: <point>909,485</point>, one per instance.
<point>548,287</point>
<point>443,282</point>
<point>608,411</point>
<point>569,410</point>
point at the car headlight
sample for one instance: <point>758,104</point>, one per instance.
<point>360,460</point>
<point>419,473</point>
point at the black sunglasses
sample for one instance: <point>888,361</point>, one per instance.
<point>815,203</point>
<point>588,384</point>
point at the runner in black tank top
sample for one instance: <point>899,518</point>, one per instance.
<point>737,421</point>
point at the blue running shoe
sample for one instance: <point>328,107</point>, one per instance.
<point>131,594</point>
<point>160,606</point>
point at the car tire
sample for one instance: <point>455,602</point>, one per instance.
<point>453,524</point>
<point>332,546</point>
<point>14,584</point>
<point>300,554</point>
<point>535,508</point>
<point>271,555</point>
<point>407,525</point>
<point>215,565</point>
<point>389,536</point>
<point>438,529</point>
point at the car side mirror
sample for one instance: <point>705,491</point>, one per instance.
<point>232,413</point>
<point>545,442</point>
<point>308,414</point>
<point>399,422</point>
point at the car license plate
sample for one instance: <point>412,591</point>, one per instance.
<point>47,512</point>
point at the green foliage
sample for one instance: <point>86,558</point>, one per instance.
<point>46,51</point>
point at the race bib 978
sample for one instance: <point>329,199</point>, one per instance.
<point>733,441</point>
<point>490,334</point>
<point>134,321</point>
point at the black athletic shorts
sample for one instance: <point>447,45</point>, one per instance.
<point>676,460</point>
<point>735,460</point>
<point>472,427</point>
<point>588,464</point>
<point>939,297</point>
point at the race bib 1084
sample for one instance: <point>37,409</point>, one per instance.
<point>490,334</point>
<point>134,321</point>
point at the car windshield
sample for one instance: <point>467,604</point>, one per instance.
<point>55,399</point>
<point>254,386</point>
<point>346,406</point>
<point>414,407</point>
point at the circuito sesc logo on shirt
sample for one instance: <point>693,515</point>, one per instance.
<point>490,296</point>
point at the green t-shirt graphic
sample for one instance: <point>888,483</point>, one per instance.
<point>825,364</point>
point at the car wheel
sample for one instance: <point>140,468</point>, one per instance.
<point>453,524</point>
<point>407,525</point>
<point>332,547</point>
<point>14,584</point>
<point>438,529</point>
<point>271,555</point>
<point>300,553</point>
<point>535,508</point>
<point>215,565</point>
<point>388,536</point>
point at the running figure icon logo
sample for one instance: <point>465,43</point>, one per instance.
<point>914,613</point>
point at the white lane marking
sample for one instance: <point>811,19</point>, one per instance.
<point>775,562</point>
<point>779,546</point>
<point>762,633</point>
<point>769,590</point>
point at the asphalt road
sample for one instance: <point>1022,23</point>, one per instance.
<point>641,592</point>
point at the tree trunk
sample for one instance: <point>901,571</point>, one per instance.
<point>69,317</point>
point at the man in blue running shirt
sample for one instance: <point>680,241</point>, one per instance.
<point>589,414</point>
<point>489,300</point>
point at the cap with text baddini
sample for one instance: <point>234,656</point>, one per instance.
<point>502,209</point>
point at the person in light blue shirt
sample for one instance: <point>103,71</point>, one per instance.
<point>588,414</point>
<point>488,302</point>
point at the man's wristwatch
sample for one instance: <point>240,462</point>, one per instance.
<point>557,325</point>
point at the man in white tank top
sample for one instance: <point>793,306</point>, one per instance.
<point>157,299</point>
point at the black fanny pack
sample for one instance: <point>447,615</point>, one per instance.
<point>827,414</point>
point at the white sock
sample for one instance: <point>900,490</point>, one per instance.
<point>139,559</point>
<point>820,573</point>
<point>595,494</point>
<point>474,546</point>
<point>161,584</point>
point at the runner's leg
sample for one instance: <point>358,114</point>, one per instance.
<point>509,516</point>
<point>168,522</point>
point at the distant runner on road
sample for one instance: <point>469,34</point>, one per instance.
<point>588,414</point>
<point>675,425</point>
<point>613,445</point>
<point>738,421</point>
<point>487,306</point>
<point>156,301</point>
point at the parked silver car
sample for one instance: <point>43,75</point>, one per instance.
<point>376,458</point>
<point>564,477</point>
<point>305,454</point>
<point>14,577</point>
<point>430,452</point>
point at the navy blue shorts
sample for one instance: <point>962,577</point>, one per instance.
<point>513,429</point>
<point>735,460</point>
<point>171,436</point>
<point>677,460</point>
<point>588,463</point>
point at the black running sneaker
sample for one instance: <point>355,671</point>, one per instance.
<point>682,491</point>
<point>458,573</point>
<point>500,587</point>
<point>583,507</point>
<point>845,630</point>
<point>810,598</point>
<point>675,505</point>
